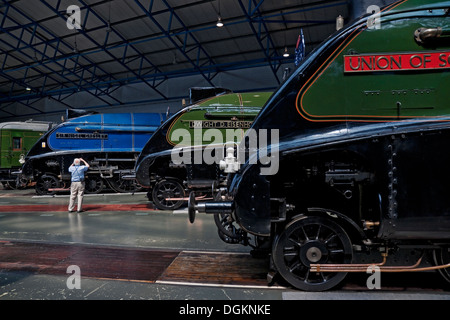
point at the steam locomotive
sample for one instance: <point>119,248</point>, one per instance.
<point>110,143</point>
<point>358,176</point>
<point>16,138</point>
<point>168,181</point>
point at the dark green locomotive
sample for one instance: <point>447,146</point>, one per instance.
<point>358,156</point>
<point>169,182</point>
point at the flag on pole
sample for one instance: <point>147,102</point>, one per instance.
<point>300,49</point>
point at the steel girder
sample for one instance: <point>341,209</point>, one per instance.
<point>78,76</point>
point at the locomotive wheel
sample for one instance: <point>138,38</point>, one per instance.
<point>311,240</point>
<point>166,189</point>
<point>120,185</point>
<point>440,257</point>
<point>94,185</point>
<point>46,182</point>
<point>19,183</point>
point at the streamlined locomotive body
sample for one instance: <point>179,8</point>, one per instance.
<point>184,135</point>
<point>361,156</point>
<point>110,143</point>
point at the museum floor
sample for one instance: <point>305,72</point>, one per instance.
<point>125,249</point>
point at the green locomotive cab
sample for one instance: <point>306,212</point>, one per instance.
<point>16,139</point>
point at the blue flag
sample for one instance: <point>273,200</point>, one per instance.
<point>300,49</point>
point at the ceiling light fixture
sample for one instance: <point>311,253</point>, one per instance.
<point>219,22</point>
<point>28,88</point>
<point>286,53</point>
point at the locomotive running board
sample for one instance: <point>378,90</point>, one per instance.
<point>378,267</point>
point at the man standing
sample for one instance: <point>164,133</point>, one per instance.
<point>77,185</point>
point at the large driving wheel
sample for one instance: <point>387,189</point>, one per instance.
<point>440,257</point>
<point>166,190</point>
<point>311,240</point>
<point>123,186</point>
<point>94,185</point>
<point>19,183</point>
<point>45,184</point>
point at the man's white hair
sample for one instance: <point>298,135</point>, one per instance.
<point>76,161</point>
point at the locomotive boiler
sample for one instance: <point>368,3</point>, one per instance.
<point>16,138</point>
<point>362,130</point>
<point>110,142</point>
<point>169,181</point>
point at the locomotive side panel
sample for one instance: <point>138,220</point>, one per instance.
<point>16,139</point>
<point>398,181</point>
<point>418,202</point>
<point>382,74</point>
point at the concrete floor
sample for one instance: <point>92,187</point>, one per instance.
<point>128,228</point>
<point>136,229</point>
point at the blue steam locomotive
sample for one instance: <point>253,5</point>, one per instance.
<point>110,143</point>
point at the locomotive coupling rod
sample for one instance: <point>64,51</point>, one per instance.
<point>187,198</point>
<point>381,267</point>
<point>129,177</point>
<point>339,267</point>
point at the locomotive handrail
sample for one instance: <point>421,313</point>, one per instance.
<point>212,115</point>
